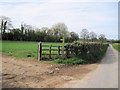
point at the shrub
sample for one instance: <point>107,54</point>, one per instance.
<point>81,49</point>
<point>83,53</point>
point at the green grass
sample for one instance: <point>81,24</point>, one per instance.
<point>116,46</point>
<point>24,48</point>
<point>70,61</point>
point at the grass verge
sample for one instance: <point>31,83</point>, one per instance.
<point>116,46</point>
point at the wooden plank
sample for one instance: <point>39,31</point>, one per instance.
<point>54,50</point>
<point>55,54</point>
<point>55,46</point>
<point>45,49</point>
<point>51,49</point>
<point>50,45</point>
<point>45,45</point>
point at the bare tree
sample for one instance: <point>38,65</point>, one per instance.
<point>92,36</point>
<point>5,23</point>
<point>84,34</point>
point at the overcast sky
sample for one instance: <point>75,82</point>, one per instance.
<point>99,17</point>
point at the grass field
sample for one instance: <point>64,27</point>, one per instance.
<point>24,49</point>
<point>117,46</point>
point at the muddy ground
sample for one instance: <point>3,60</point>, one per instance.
<point>29,73</point>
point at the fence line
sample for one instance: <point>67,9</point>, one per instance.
<point>68,51</point>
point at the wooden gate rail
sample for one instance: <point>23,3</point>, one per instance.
<point>49,50</point>
<point>51,45</point>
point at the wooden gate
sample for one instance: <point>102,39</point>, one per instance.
<point>41,49</point>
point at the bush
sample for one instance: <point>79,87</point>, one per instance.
<point>81,49</point>
<point>79,53</point>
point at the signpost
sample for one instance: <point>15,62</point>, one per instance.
<point>63,41</point>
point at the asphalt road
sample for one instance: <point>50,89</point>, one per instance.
<point>105,76</point>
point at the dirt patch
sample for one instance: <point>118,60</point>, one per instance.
<point>29,73</point>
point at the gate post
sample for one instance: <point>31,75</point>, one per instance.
<point>58,50</point>
<point>39,51</point>
<point>50,51</point>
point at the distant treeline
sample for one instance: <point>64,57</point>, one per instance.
<point>54,34</point>
<point>44,35</point>
<point>113,41</point>
<point>30,33</point>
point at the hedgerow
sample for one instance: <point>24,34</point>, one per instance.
<point>77,53</point>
